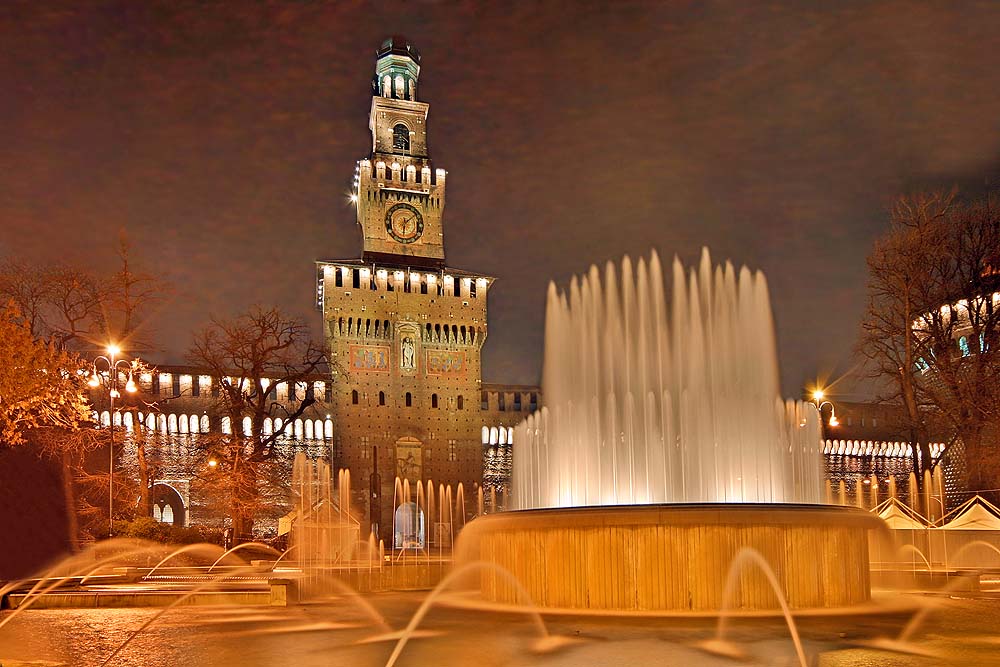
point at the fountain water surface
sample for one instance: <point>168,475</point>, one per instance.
<point>656,402</point>
<point>663,450</point>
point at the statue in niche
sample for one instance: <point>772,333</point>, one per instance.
<point>409,354</point>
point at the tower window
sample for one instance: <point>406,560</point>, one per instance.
<point>381,398</point>
<point>461,402</point>
<point>354,396</point>
<point>434,400</point>
<point>327,391</point>
<point>409,399</point>
<point>401,138</point>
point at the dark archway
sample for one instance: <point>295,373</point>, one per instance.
<point>167,505</point>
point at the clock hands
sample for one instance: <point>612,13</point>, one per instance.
<point>405,223</point>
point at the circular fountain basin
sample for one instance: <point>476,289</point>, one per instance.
<point>673,557</point>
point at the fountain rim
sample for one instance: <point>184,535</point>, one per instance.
<point>775,514</point>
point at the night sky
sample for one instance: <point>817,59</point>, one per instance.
<point>222,137</point>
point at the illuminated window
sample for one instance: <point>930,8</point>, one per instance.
<point>452,451</point>
<point>963,345</point>
<point>400,138</point>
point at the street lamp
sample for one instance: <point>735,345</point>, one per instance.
<point>817,399</point>
<point>114,368</point>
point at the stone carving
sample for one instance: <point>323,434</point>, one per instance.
<point>409,360</point>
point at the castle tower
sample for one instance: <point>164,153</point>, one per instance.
<point>400,197</point>
<point>404,330</point>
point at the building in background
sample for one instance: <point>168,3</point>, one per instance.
<point>405,331</point>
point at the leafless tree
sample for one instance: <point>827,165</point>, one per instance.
<point>247,356</point>
<point>931,328</point>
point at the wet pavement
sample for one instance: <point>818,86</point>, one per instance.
<point>961,631</point>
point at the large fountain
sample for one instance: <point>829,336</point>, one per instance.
<point>662,452</point>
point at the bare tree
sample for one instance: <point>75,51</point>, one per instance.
<point>248,356</point>
<point>77,310</point>
<point>931,325</point>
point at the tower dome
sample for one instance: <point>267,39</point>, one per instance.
<point>397,67</point>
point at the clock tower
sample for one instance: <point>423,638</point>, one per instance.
<point>404,330</point>
<point>400,197</point>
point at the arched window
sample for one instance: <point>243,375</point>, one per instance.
<point>400,138</point>
<point>434,400</point>
<point>354,396</point>
<point>381,398</point>
<point>461,402</point>
<point>400,87</point>
<point>409,399</point>
<point>386,86</point>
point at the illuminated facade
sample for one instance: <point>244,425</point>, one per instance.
<point>404,330</point>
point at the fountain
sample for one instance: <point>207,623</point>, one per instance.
<point>662,451</point>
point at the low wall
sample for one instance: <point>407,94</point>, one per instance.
<point>673,557</point>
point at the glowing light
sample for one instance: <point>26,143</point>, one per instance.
<point>834,421</point>
<point>113,350</point>
<point>115,393</point>
<point>212,463</point>
<point>94,381</point>
<point>818,395</point>
<point>354,199</point>
<point>130,386</point>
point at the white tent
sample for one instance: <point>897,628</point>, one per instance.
<point>898,516</point>
<point>976,513</point>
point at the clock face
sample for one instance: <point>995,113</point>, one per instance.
<point>404,223</point>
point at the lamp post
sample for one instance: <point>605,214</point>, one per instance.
<point>818,400</point>
<point>96,379</point>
